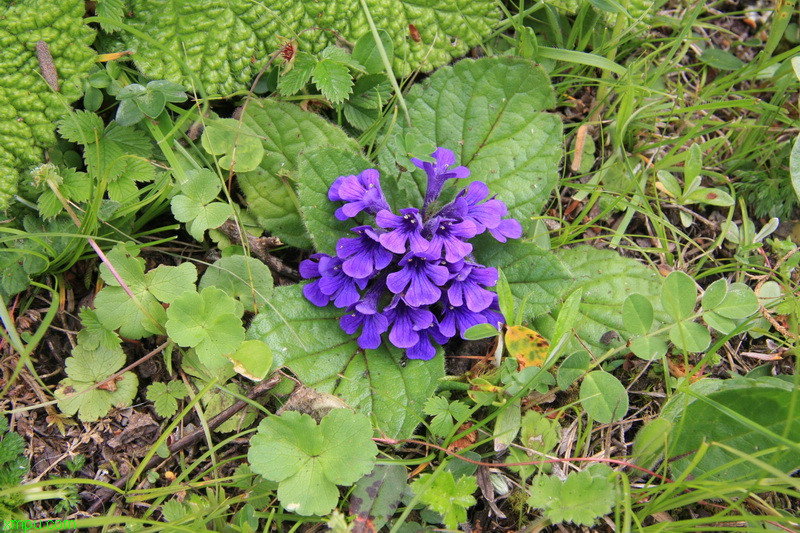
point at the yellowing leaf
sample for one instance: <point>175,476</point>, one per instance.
<point>526,346</point>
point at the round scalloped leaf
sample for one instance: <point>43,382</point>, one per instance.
<point>308,341</point>
<point>287,132</point>
<point>490,113</point>
<point>226,43</point>
<point>29,107</point>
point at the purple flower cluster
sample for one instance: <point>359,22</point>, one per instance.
<point>412,274</point>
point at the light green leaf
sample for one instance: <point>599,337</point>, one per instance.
<point>240,148</point>
<point>607,280</point>
<point>242,277</point>
<point>86,368</point>
<point>165,397</point>
<point>446,496</point>
<point>308,341</point>
<point>710,196</point>
<point>603,397</point>
<point>714,294</point>
<point>333,79</point>
<point>196,206</point>
<point>294,80</point>
<point>740,302</point>
<point>506,426</point>
<point>490,112</point>
<point>218,400</point>
<point>651,441</point>
<point>226,43</point>
<point>584,497</point>
<point>167,282</point>
<point>572,368</point>
<point>678,295</point>
<point>720,59</point>
<point>367,53</point>
<point>637,314</point>
<point>445,414</point>
<point>309,460</point>
<point>648,348</point>
<point>317,171</point>
<point>30,107</point>
<point>252,359</point>
<point>690,336</point>
<point>794,166</point>
<point>480,331</point>
<point>286,132</point>
<point>208,321</point>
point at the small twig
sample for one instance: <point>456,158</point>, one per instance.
<point>103,495</point>
<point>260,247</point>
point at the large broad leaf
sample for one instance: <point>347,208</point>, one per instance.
<point>490,112</point>
<point>536,277</point>
<point>318,169</point>
<point>308,341</point>
<point>29,106</point>
<point>225,43</point>
<point>748,415</point>
<point>287,132</point>
<point>607,279</point>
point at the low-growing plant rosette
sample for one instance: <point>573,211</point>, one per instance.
<point>411,273</point>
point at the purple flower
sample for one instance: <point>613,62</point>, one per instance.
<point>405,228</point>
<point>359,193</point>
<point>486,214</point>
<point>508,228</point>
<point>448,234</point>
<point>364,254</point>
<point>438,172</point>
<point>466,287</point>
<point>423,277</point>
<point>424,348</point>
<point>461,318</point>
<point>406,322</point>
<point>309,268</point>
<point>372,324</point>
<point>337,285</point>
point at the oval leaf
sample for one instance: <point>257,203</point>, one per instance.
<point>603,397</point>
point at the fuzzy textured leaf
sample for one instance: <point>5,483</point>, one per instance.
<point>490,112</point>
<point>287,132</point>
<point>309,342</point>
<point>226,43</point>
<point>309,460</point>
<point>28,105</point>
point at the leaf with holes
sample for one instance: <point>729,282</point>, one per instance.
<point>309,341</point>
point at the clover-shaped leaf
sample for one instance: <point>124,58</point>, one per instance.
<point>445,414</point>
<point>208,321</point>
<point>196,206</point>
<point>240,148</point>
<point>88,367</point>
<point>165,396</point>
<point>446,496</point>
<point>309,460</point>
<point>583,497</point>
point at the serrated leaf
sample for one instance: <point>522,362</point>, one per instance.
<point>94,334</point>
<point>308,341</point>
<point>317,171</point>
<point>603,397</point>
<point>748,415</point>
<point>226,43</point>
<point>294,80</point>
<point>30,106</point>
<point>445,414</point>
<point>111,9</point>
<point>446,496</point>
<point>209,322</point>
<point>376,495</point>
<point>86,368</point>
<point>164,403</point>
<point>242,277</point>
<point>240,148</point>
<point>167,282</point>
<point>581,498</point>
<point>490,112</point>
<point>309,460</point>
<point>607,280</point>
<point>333,80</point>
<point>82,127</point>
<point>286,132</point>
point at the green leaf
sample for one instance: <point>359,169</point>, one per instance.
<point>226,43</point>
<point>209,321</point>
<point>603,397</point>
<point>252,359</point>
<point>309,460</point>
<point>294,80</point>
<point>539,433</point>
<point>286,132</point>
<point>196,206</point>
<point>167,283</point>
<point>242,277</point>
<point>690,336</point>
<point>94,334</point>
<point>749,415</point>
<point>536,277</point>
<point>446,496</point>
<point>714,294</point>
<point>445,414</point>
<point>607,280</point>
<point>480,331</point>
<point>490,112</point>
<point>165,397</point>
<point>30,105</point>
<point>651,441</point>
<point>720,59</point>
<point>506,426</point>
<point>239,146</point>
<point>367,53</point>
<point>637,314</point>
<point>308,341</point>
<point>739,302</point>
<point>317,171</point>
<point>110,9</point>
<point>572,368</point>
<point>86,368</point>
<point>217,400</point>
<point>710,196</point>
<point>333,80</point>
<point>582,498</point>
<point>678,295</point>
<point>505,298</point>
<point>648,348</point>
<point>794,166</point>
<point>377,495</point>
